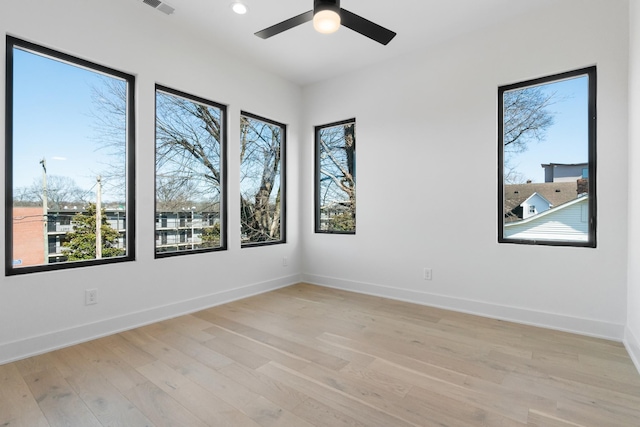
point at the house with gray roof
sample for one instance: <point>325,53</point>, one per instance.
<point>519,198</point>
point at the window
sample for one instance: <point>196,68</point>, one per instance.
<point>335,182</point>
<point>262,181</point>
<point>69,161</point>
<point>190,174</point>
<point>547,151</point>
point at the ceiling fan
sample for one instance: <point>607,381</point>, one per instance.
<point>327,16</point>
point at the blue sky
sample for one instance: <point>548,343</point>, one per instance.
<point>52,120</point>
<point>567,140</point>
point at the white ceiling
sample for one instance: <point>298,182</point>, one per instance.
<point>304,56</point>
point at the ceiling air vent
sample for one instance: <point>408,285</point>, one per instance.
<point>162,7</point>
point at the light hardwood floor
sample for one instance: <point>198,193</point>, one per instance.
<point>311,356</point>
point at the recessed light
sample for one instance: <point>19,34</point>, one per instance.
<point>239,8</point>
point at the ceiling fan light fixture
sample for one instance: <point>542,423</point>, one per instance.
<point>326,21</point>
<point>326,16</point>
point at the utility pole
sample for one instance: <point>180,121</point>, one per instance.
<point>45,210</point>
<point>99,217</point>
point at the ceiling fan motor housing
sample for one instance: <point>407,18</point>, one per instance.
<point>333,5</point>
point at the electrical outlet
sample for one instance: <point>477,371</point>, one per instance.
<point>428,274</point>
<point>285,261</point>
<point>90,296</point>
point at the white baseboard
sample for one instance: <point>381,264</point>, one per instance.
<point>632,344</point>
<point>588,327</point>
<point>35,345</point>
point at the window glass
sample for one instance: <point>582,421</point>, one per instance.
<point>547,152</point>
<point>69,162</point>
<point>336,178</point>
<point>190,173</point>
<point>262,197</point>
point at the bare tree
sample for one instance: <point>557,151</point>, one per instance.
<point>188,153</point>
<point>188,140</point>
<point>260,189</point>
<point>23,196</point>
<point>109,114</point>
<point>337,176</point>
<point>173,194</point>
<point>61,191</point>
<point>526,118</point>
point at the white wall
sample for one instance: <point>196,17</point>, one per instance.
<point>423,114</point>
<point>632,333</point>
<point>46,310</point>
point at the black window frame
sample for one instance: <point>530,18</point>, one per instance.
<point>130,181</point>
<point>283,182</point>
<point>591,73</point>
<point>318,173</point>
<point>223,174</point>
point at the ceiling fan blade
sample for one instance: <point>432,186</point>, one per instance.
<point>285,25</point>
<point>366,27</point>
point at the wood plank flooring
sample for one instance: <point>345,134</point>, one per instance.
<point>311,356</point>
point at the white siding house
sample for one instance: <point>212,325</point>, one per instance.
<point>565,222</point>
<point>534,205</point>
